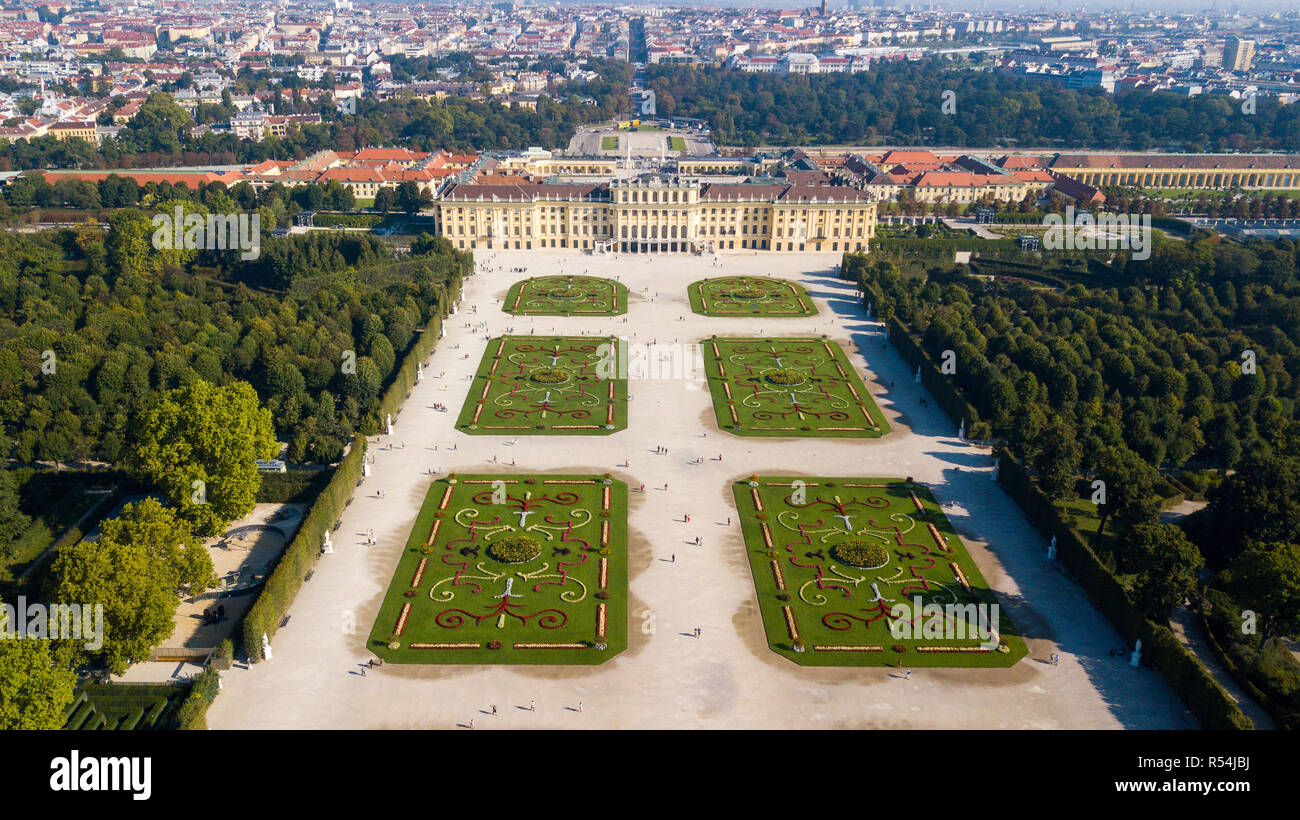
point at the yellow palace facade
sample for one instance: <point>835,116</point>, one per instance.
<point>656,213</point>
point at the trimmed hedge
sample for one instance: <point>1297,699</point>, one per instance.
<point>264,617</point>
<point>298,558</point>
<point>1209,702</point>
<point>292,486</point>
<point>1217,611</point>
<point>194,711</point>
<point>940,386</point>
<point>347,220</point>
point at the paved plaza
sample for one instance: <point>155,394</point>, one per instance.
<point>726,677</point>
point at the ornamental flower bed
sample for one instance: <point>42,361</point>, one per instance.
<point>546,385</point>
<point>533,565</point>
<point>832,561</point>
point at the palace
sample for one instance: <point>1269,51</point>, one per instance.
<point>1208,171</point>
<point>657,213</point>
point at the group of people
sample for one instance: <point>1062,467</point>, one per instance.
<point>214,614</point>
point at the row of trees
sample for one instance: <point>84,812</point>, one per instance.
<point>1194,364</point>
<point>124,192</point>
<point>902,103</point>
<point>86,342</point>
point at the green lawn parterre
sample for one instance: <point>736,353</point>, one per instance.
<point>453,599</point>
<point>840,613</point>
<point>566,296</point>
<point>789,387</point>
<point>750,296</point>
<point>546,385</point>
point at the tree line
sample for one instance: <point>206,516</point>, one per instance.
<point>1192,366</point>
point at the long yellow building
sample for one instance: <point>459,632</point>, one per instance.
<point>657,213</point>
<point>1208,171</point>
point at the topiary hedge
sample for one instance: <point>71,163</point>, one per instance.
<point>515,549</point>
<point>298,558</point>
<point>861,553</point>
<point>194,710</point>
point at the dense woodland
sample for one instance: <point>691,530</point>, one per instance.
<point>1190,370</point>
<point>900,104</point>
<point>124,322</point>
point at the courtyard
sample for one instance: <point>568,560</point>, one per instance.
<point>698,652</point>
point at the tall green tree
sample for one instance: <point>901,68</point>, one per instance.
<point>200,443</point>
<point>1266,579</point>
<point>34,686</point>
<point>1165,565</point>
<point>144,558</point>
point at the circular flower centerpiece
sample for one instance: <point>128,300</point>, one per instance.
<point>861,553</point>
<point>550,375</point>
<point>514,549</point>
<point>565,293</point>
<point>746,293</point>
<point>786,377</point>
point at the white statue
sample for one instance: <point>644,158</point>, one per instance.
<point>390,424</point>
<point>918,374</point>
<point>327,546</point>
<point>1136,657</point>
<point>1051,549</point>
<point>365,470</point>
<point>419,372</point>
<point>871,310</point>
<point>266,647</point>
<point>961,430</point>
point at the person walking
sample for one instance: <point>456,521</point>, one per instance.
<point>908,675</point>
<point>494,710</point>
<point>532,705</point>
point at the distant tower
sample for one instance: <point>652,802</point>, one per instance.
<point>823,8</point>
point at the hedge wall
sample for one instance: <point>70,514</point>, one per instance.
<point>940,386</point>
<point>1217,611</point>
<point>348,220</point>
<point>298,558</point>
<point>193,713</point>
<point>292,486</point>
<point>1209,702</point>
<point>287,578</point>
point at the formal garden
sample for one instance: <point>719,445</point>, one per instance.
<point>566,296</point>
<point>750,296</point>
<point>840,566</point>
<point>546,385</point>
<point>511,569</point>
<point>789,387</point>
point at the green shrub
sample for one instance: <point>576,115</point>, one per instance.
<point>514,549</point>
<point>861,553</point>
<point>193,712</point>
